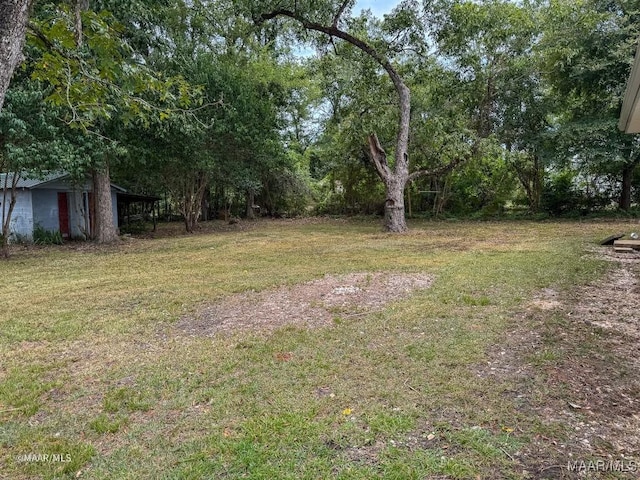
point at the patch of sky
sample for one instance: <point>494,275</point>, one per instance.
<point>378,9</point>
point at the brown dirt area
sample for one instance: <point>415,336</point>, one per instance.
<point>573,361</point>
<point>311,304</point>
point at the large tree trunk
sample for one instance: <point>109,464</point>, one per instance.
<point>625,194</point>
<point>395,181</point>
<point>190,221</point>
<point>394,217</point>
<point>251,200</point>
<point>14,15</point>
<point>105,230</point>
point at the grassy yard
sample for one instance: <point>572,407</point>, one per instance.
<point>94,370</point>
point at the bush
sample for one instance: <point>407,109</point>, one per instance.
<point>46,237</point>
<point>559,195</point>
<point>350,192</point>
<point>134,228</point>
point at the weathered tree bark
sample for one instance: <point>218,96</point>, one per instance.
<point>80,6</point>
<point>105,230</point>
<point>13,26</point>
<point>394,182</point>
<point>251,200</point>
<point>190,220</point>
<point>627,177</point>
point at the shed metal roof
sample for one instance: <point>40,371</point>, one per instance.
<point>136,197</point>
<point>28,183</point>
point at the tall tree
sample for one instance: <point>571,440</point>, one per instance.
<point>588,46</point>
<point>31,142</point>
<point>489,46</point>
<point>104,228</point>
<point>333,19</point>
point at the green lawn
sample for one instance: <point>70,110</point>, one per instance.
<point>94,370</point>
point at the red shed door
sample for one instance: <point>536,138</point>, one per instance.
<point>63,213</point>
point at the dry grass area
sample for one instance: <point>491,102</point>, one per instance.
<point>324,349</point>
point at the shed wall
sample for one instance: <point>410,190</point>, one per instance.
<point>22,216</point>
<point>45,209</point>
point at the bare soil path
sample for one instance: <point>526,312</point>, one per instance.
<point>574,359</point>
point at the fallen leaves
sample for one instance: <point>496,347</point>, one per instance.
<point>283,356</point>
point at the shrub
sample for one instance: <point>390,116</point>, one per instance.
<point>46,237</point>
<point>558,194</point>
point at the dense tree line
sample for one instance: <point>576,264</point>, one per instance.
<point>300,107</point>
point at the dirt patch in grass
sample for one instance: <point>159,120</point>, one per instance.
<point>312,304</point>
<point>573,360</point>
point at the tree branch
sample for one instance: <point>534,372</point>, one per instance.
<point>444,168</point>
<point>335,48</point>
<point>379,157</point>
<point>35,31</point>
<point>334,31</point>
<point>87,71</point>
<point>336,19</point>
<point>437,171</point>
<point>404,96</point>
